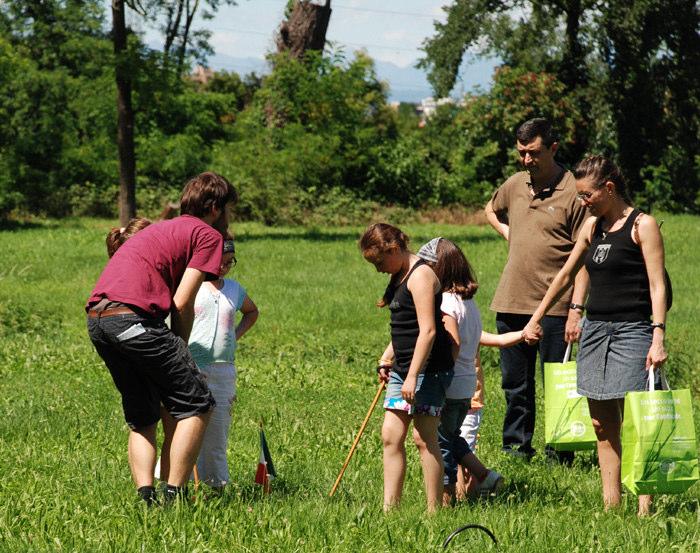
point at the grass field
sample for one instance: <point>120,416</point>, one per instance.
<point>307,369</point>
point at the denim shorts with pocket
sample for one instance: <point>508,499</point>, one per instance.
<point>150,365</point>
<point>430,393</point>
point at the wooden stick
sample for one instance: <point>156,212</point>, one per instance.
<point>357,438</point>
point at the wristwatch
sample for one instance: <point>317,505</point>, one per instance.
<point>577,307</point>
<point>662,326</point>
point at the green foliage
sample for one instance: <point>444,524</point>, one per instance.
<point>313,126</point>
<point>630,67</point>
<point>466,150</point>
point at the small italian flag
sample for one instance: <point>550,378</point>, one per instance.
<point>266,470</point>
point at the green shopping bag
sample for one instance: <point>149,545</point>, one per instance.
<point>567,422</point>
<point>659,451</point>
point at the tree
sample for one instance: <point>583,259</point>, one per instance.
<point>304,29</point>
<point>179,37</point>
<point>506,28</point>
<point>125,116</point>
<point>651,51</point>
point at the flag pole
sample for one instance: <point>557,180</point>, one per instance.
<point>357,438</point>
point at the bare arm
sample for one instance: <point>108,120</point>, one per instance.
<point>652,246</point>
<point>423,285</point>
<point>182,314</point>
<point>479,392</point>
<point>562,281</point>
<point>492,217</point>
<point>452,329</point>
<point>250,315</point>
<point>385,363</point>
<point>501,340</point>
<point>573,321</point>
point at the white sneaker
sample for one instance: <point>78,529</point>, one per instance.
<point>490,485</point>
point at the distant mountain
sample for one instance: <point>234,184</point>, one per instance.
<point>406,84</point>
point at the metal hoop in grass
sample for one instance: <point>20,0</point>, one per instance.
<point>467,527</point>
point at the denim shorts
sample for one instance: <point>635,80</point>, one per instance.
<point>430,393</point>
<point>149,365</point>
<point>612,358</point>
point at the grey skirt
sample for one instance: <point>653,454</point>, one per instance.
<point>612,359</point>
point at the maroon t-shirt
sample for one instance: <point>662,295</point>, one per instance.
<point>148,267</point>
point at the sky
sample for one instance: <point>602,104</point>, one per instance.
<point>389,30</point>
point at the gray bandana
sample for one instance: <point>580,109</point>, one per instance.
<point>428,251</point>
<point>229,246</point>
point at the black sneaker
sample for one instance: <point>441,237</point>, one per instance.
<point>148,494</point>
<point>526,455</point>
<point>565,458</point>
<point>174,493</point>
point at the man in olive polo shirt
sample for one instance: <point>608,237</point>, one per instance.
<point>537,212</point>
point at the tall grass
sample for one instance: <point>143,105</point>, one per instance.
<point>307,370</point>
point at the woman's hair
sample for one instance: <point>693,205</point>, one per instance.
<point>382,238</point>
<point>454,271</point>
<point>601,169</point>
<point>117,236</point>
<point>378,240</point>
<point>205,191</point>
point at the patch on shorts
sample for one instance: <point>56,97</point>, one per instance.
<point>429,410</point>
<point>397,404</point>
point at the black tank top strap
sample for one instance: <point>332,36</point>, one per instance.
<point>410,271</point>
<point>631,220</point>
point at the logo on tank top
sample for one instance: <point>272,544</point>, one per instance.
<point>601,253</point>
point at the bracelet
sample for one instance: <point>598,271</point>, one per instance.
<point>662,326</point>
<point>577,307</point>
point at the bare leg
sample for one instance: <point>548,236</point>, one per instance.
<point>430,458</point>
<point>142,455</point>
<point>462,487</point>
<point>168,430</point>
<point>449,493</point>
<point>607,422</point>
<point>184,448</point>
<point>644,506</point>
<point>394,432</point>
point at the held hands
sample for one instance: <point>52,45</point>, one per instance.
<point>408,390</point>
<point>532,333</point>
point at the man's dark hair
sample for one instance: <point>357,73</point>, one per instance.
<point>205,191</point>
<point>539,126</point>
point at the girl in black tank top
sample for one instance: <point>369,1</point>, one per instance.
<point>416,365</point>
<point>624,256</point>
<point>405,329</point>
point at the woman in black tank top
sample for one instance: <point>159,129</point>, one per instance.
<point>416,365</point>
<point>623,333</point>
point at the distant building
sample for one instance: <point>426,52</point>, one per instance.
<point>428,106</point>
<point>202,75</point>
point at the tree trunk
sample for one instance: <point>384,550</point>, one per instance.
<point>125,114</point>
<point>305,29</point>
